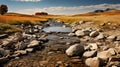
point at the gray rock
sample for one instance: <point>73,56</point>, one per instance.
<point>81,22</point>
<point>117,43</point>
<point>2,51</point>
<point>7,52</point>
<point>87,31</point>
<point>42,63</point>
<point>88,61</point>
<point>94,33</point>
<point>112,51</point>
<point>51,52</point>
<point>64,26</point>
<point>17,58</point>
<point>76,49</point>
<point>15,55</point>
<point>115,63</point>
<point>90,53</point>
<point>35,30</point>
<point>5,42</point>
<point>30,31</point>
<point>104,55</point>
<point>4,59</point>
<point>34,36</point>
<point>61,37</point>
<point>28,36</point>
<point>93,46</point>
<point>102,24</point>
<point>20,46</point>
<point>3,35</point>
<point>87,47</point>
<point>29,49</point>
<point>105,48</point>
<point>111,38</point>
<point>40,27</point>
<point>114,66</point>
<point>100,36</point>
<point>85,38</point>
<point>118,38</point>
<point>23,52</point>
<point>0,46</point>
<point>117,49</point>
<point>33,43</point>
<point>93,62</point>
<point>36,26</point>
<point>79,33</point>
<point>76,60</point>
<point>71,34</point>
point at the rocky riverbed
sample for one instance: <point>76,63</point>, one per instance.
<point>56,44</point>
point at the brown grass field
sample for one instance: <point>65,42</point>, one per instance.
<point>112,16</point>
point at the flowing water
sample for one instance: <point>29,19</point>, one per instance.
<point>57,29</point>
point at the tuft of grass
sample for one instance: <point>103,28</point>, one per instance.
<point>7,28</point>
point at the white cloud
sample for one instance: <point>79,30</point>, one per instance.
<point>69,10</point>
<point>27,0</point>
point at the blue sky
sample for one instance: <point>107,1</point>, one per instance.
<point>59,6</point>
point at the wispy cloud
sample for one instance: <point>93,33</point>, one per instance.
<point>27,0</point>
<point>69,10</point>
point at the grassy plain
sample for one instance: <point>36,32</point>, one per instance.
<point>9,20</point>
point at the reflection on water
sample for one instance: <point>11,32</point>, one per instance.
<point>57,29</point>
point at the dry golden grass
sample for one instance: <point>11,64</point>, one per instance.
<point>10,19</point>
<point>112,16</point>
<point>98,18</point>
<point>7,22</point>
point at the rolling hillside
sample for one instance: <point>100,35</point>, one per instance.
<point>110,12</point>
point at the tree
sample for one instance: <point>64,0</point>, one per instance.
<point>3,9</point>
<point>41,13</point>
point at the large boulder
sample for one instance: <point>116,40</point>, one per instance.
<point>104,55</point>
<point>74,50</point>
<point>93,62</point>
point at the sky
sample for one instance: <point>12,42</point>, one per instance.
<point>60,7</point>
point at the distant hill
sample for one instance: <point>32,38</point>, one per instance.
<point>101,12</point>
